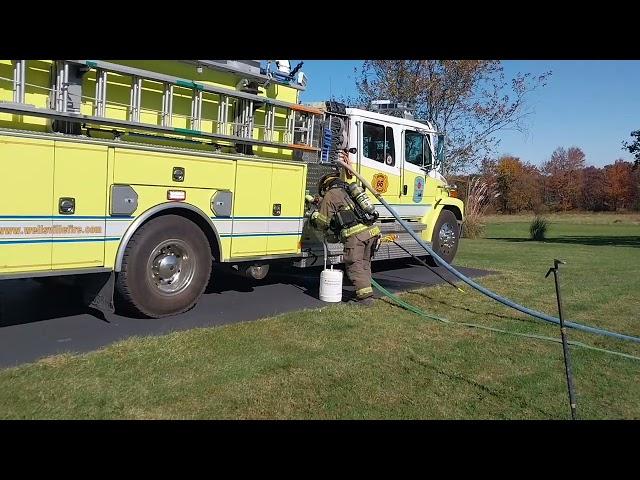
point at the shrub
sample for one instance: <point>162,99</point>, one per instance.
<point>538,228</point>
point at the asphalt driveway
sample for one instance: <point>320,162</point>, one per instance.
<point>38,321</point>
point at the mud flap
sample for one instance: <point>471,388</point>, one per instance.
<point>97,291</point>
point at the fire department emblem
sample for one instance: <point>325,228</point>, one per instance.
<point>418,189</point>
<point>380,182</point>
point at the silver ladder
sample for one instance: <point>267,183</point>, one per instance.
<point>242,107</point>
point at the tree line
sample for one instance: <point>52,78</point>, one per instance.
<point>562,183</point>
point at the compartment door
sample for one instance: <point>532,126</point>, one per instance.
<point>25,204</point>
<point>285,224</point>
<point>251,210</point>
<point>79,205</point>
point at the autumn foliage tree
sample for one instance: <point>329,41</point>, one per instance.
<point>621,184</point>
<point>563,183</point>
<point>518,183</point>
<point>594,191</point>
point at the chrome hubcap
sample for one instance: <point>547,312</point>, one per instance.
<point>170,267</point>
<point>446,238</point>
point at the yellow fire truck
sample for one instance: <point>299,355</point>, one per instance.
<point>141,177</point>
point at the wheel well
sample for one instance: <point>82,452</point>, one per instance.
<point>455,210</point>
<point>195,217</point>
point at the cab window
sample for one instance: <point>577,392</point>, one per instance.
<point>414,148</point>
<point>378,143</point>
<point>418,149</point>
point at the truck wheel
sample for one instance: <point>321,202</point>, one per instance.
<point>446,236</point>
<point>165,268</point>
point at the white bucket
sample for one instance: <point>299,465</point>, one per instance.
<point>331,285</point>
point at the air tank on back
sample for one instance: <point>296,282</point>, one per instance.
<point>361,198</point>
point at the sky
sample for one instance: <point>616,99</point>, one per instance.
<point>591,104</point>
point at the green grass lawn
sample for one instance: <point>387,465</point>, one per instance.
<point>383,362</point>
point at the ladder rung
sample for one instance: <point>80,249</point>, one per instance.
<point>101,92</point>
<point>249,132</point>
<point>19,80</point>
<point>196,109</point>
<point>136,97</point>
<point>310,137</point>
<point>269,122</point>
<point>167,105</point>
<point>223,111</point>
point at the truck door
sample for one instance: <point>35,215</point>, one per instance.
<point>379,160</point>
<point>418,189</point>
<point>79,205</point>
<point>25,204</point>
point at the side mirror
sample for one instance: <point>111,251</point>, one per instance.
<point>427,158</point>
<point>440,149</point>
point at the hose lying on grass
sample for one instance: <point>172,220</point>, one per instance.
<point>478,287</point>
<point>422,313</point>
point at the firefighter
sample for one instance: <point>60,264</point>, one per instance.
<point>351,220</point>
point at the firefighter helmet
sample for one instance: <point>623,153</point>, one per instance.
<point>326,180</point>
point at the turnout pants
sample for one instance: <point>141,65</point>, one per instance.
<point>358,251</point>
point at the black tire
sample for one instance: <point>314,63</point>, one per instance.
<point>168,252</point>
<point>445,245</point>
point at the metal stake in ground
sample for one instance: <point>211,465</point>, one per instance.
<point>563,334</point>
